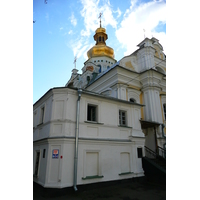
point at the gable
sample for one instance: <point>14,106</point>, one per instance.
<point>128,63</point>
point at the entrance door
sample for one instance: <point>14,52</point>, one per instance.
<point>37,163</point>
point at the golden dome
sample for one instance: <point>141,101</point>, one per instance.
<point>99,30</point>
<point>100,49</point>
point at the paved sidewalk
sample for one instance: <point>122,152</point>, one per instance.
<point>131,190</point>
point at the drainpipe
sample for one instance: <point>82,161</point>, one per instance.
<point>163,126</point>
<point>156,140</point>
<point>76,139</point>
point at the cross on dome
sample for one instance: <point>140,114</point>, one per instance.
<point>75,59</point>
<point>100,14</point>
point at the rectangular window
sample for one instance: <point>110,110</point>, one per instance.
<point>37,163</point>
<point>92,113</point>
<point>92,166</point>
<point>42,115</point>
<point>34,119</point>
<point>164,110</point>
<point>125,162</point>
<point>44,151</point>
<point>122,118</point>
<point>139,151</point>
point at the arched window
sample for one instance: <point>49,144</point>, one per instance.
<point>99,38</point>
<point>108,67</point>
<point>132,100</point>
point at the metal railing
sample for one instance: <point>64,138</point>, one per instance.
<point>161,152</point>
<point>149,153</point>
<point>152,154</point>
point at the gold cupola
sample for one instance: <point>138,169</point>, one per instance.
<point>100,48</point>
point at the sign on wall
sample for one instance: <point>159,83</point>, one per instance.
<point>55,153</point>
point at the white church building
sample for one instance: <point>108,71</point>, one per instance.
<point>96,128</point>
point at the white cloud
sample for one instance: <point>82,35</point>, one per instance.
<point>90,13</point>
<point>136,18</point>
<point>119,12</point>
<point>73,20</point>
<point>130,32</point>
<point>70,32</point>
<point>107,16</point>
<point>133,2</point>
<point>79,47</point>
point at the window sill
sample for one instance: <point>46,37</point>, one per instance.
<point>124,126</point>
<point>93,122</point>
<point>125,173</point>
<point>92,177</point>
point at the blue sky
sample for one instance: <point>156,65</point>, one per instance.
<point>65,28</point>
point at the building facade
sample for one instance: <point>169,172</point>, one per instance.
<point>96,128</point>
<point>139,77</point>
<point>110,145</point>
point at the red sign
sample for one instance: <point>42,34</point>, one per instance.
<point>55,153</point>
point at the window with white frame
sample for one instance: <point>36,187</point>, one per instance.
<point>92,113</point>
<point>125,162</point>
<point>122,118</point>
<point>42,115</point>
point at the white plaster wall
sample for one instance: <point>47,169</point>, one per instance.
<point>109,160</point>
<point>150,139</point>
<point>42,130</point>
<point>152,105</point>
<point>108,139</point>
<point>135,94</point>
<point>64,118</point>
<point>60,171</point>
<point>103,64</point>
<point>42,163</point>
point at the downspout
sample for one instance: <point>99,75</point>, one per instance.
<point>156,140</point>
<point>163,126</point>
<point>76,139</point>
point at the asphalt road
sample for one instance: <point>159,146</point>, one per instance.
<point>130,190</point>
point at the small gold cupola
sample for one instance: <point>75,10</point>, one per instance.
<point>100,48</point>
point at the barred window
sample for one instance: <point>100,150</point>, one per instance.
<point>122,118</point>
